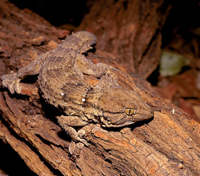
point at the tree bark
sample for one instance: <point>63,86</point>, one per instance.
<point>168,144</point>
<point>130,30</point>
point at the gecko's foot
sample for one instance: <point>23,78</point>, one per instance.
<point>11,81</point>
<point>68,123</point>
<point>80,144</point>
<point>80,134</point>
<point>73,146</point>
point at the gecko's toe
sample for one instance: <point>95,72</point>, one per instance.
<point>81,133</point>
<point>80,145</point>
<point>72,147</point>
<point>12,82</point>
<point>17,86</point>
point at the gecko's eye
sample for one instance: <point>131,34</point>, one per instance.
<point>130,111</point>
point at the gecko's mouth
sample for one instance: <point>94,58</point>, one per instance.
<point>120,123</point>
<point>125,120</point>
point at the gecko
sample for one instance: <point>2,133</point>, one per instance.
<point>86,92</point>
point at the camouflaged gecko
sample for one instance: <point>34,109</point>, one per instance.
<point>66,79</point>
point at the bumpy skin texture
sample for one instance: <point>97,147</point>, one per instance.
<point>66,80</point>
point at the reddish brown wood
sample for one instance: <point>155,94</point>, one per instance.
<point>130,30</point>
<point>168,144</point>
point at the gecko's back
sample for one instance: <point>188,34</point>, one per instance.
<point>58,72</point>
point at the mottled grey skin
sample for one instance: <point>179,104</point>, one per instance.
<point>64,79</point>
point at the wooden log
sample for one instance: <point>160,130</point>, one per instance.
<point>130,30</point>
<point>168,144</point>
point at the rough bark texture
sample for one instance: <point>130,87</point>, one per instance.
<point>168,144</point>
<point>130,30</point>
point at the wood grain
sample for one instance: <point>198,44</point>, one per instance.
<point>168,144</point>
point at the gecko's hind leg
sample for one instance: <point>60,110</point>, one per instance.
<point>67,123</point>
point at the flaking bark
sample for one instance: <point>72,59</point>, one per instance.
<point>168,144</point>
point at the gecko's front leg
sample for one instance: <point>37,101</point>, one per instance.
<point>12,80</point>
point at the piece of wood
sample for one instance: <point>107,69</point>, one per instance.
<point>130,30</point>
<point>168,144</point>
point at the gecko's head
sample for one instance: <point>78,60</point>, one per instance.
<point>122,107</point>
